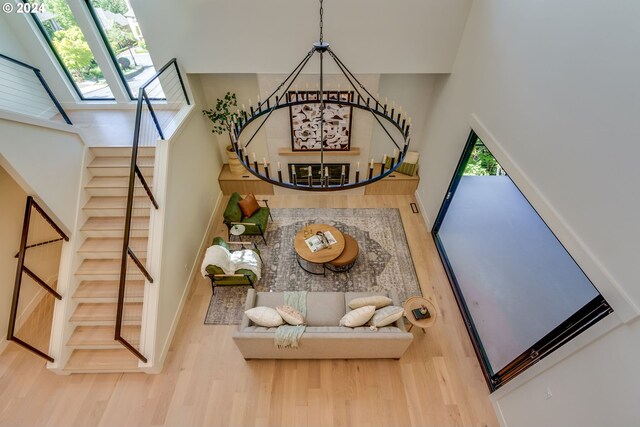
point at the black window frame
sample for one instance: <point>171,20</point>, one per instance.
<point>45,35</point>
<point>107,45</point>
<point>588,315</point>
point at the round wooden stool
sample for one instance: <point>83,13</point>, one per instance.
<point>347,258</point>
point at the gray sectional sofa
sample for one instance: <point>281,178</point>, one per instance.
<point>323,338</point>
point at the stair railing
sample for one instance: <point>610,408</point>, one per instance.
<point>42,238</point>
<point>159,101</point>
<point>24,90</point>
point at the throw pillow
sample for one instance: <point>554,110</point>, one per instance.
<point>358,317</point>
<point>249,205</point>
<point>378,301</point>
<point>386,316</point>
<point>290,315</point>
<point>264,316</point>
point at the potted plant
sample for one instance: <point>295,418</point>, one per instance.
<point>222,118</point>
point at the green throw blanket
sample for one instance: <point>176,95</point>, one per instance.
<point>288,336</point>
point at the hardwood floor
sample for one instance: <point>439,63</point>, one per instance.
<point>205,380</point>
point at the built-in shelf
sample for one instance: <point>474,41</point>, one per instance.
<point>283,151</point>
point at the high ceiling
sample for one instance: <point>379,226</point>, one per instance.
<point>271,36</point>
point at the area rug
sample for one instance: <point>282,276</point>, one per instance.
<point>384,261</point>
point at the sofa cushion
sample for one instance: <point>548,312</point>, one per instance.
<point>270,299</point>
<point>378,301</point>
<point>264,316</point>
<point>350,296</point>
<point>386,316</point>
<point>290,315</point>
<point>325,308</point>
<point>233,213</point>
<point>249,205</point>
<point>358,317</point>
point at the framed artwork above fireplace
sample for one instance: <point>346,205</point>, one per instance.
<point>305,121</point>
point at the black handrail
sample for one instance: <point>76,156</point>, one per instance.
<point>44,84</point>
<point>127,252</point>
<point>31,203</point>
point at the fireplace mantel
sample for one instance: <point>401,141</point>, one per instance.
<point>283,151</point>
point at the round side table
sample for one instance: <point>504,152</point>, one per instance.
<point>416,302</point>
<point>237,230</point>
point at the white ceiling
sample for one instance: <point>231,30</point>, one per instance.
<point>272,36</point>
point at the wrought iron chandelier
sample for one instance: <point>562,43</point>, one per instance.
<point>282,97</point>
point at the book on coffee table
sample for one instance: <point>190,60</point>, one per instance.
<point>320,241</point>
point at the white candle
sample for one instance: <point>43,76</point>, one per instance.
<point>279,167</point>
<point>309,171</point>
<point>371,164</point>
<point>293,170</point>
<point>264,162</point>
<point>326,172</point>
<point>395,153</point>
<point>343,170</point>
<point>384,159</point>
<point>243,108</point>
<point>393,104</point>
<point>253,156</point>
<point>358,167</point>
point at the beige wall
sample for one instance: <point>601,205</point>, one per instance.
<point>553,87</point>
<point>191,193</point>
<point>12,202</point>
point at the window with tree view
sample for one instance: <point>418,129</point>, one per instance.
<point>60,28</point>
<point>120,30</point>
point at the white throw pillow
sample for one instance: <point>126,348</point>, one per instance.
<point>290,315</point>
<point>386,316</point>
<point>358,317</point>
<point>378,301</point>
<point>264,316</point>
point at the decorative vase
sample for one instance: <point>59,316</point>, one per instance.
<point>423,309</point>
<point>235,167</point>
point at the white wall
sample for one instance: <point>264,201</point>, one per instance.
<point>192,191</point>
<point>552,88</point>
<point>45,160</point>
<point>249,36</point>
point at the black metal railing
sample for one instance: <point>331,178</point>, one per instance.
<point>24,90</point>
<point>38,264</point>
<point>159,101</point>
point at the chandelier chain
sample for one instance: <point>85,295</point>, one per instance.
<point>321,21</point>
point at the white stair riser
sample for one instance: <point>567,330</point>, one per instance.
<point>147,172</point>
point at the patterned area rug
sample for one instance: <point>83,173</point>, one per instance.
<point>384,261</point>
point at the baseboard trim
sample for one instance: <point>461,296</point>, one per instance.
<point>423,212</point>
<point>194,270</point>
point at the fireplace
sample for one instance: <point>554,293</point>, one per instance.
<point>302,173</point>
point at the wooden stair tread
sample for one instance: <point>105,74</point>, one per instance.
<point>113,244</point>
<point>113,182</point>
<point>107,266</point>
<point>106,312</point>
<point>122,151</point>
<point>116,202</point>
<point>115,223</point>
<point>108,289</point>
<point>102,360</point>
<point>96,336</point>
<point>121,161</point>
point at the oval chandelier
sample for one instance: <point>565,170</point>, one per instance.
<point>325,103</point>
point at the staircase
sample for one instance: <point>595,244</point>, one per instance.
<point>92,344</point>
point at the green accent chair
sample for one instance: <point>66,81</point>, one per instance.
<point>241,277</point>
<point>255,225</point>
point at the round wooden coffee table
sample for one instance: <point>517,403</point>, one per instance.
<point>323,255</point>
<point>415,302</point>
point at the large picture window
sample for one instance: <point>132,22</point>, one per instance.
<point>521,293</point>
<point>60,29</point>
<point>120,30</point>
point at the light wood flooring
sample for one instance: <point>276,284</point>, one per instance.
<point>206,382</point>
